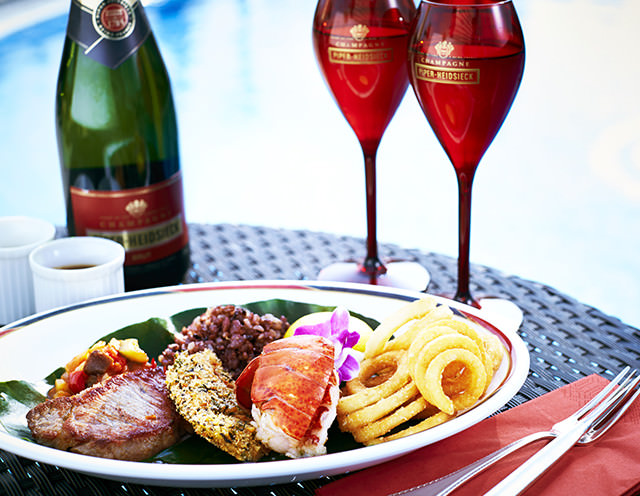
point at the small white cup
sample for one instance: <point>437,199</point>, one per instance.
<point>18,237</point>
<point>71,270</point>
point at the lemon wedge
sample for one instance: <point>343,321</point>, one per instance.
<point>355,324</point>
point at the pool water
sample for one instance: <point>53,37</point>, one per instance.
<point>556,197</point>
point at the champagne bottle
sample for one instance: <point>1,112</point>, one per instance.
<point>118,142</point>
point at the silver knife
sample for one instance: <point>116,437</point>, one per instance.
<point>527,473</point>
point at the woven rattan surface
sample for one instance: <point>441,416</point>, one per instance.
<point>566,339</point>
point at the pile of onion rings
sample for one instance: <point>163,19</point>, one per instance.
<point>421,366</point>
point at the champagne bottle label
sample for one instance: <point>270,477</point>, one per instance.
<point>108,31</point>
<point>147,221</point>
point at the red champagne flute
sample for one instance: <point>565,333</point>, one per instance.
<point>361,48</point>
<point>466,61</point>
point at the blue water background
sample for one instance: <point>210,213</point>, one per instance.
<point>556,197</point>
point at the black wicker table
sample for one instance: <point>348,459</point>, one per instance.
<point>566,339</point>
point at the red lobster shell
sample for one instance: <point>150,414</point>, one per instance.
<point>295,383</point>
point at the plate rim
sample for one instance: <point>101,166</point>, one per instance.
<point>280,471</point>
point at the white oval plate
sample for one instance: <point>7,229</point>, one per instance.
<point>31,348</point>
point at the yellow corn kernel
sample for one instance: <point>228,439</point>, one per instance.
<point>61,388</point>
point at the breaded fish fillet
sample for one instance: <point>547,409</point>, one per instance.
<point>204,394</point>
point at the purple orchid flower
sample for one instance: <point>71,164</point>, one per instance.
<point>336,329</point>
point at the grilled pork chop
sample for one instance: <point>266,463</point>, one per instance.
<point>128,417</point>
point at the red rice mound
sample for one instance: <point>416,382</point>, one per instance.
<point>234,334</point>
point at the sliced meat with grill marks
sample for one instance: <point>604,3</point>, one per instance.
<point>128,417</point>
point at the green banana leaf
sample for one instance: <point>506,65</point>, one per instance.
<point>16,399</point>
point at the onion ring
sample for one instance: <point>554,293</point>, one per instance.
<point>425,337</point>
<point>370,432</point>
<point>413,328</point>
<point>422,364</point>
<point>365,396</point>
<point>379,409</point>
<point>494,352</point>
<point>428,423</point>
<point>433,379</point>
<point>418,364</point>
<point>386,329</point>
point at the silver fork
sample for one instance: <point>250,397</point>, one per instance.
<point>592,421</point>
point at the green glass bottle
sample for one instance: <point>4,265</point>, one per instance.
<point>118,140</point>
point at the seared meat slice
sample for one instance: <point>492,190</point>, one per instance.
<point>128,417</point>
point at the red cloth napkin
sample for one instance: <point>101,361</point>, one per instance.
<point>609,466</point>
